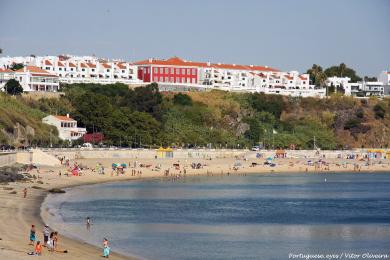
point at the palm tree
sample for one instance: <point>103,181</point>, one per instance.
<point>342,68</point>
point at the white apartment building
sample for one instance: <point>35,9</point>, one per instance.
<point>360,89</point>
<point>384,77</point>
<point>66,126</point>
<point>31,78</point>
<point>75,69</point>
<point>176,73</point>
<point>5,75</point>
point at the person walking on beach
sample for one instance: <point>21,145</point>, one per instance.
<point>106,248</point>
<point>50,242</point>
<point>46,233</point>
<point>24,192</point>
<point>55,241</point>
<point>32,235</point>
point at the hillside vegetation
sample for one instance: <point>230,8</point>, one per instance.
<point>144,117</point>
<point>20,124</point>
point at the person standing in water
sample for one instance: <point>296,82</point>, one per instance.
<point>88,223</point>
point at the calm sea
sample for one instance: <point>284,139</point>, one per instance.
<point>232,217</point>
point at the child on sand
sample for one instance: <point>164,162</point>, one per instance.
<point>38,248</point>
<point>106,248</point>
<point>32,235</point>
<point>24,192</point>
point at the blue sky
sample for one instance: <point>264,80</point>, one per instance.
<point>284,34</point>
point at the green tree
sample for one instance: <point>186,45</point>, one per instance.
<point>317,75</point>
<point>182,99</point>
<point>13,87</point>
<point>17,66</point>
<point>342,70</point>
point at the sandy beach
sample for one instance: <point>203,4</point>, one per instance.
<point>18,213</point>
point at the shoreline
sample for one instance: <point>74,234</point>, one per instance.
<point>20,213</point>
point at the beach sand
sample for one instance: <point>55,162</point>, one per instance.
<point>18,213</point>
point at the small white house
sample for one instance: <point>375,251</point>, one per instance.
<point>67,127</point>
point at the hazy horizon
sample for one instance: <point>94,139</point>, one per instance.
<point>289,35</point>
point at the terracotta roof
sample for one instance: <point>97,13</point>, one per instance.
<point>83,65</point>
<point>289,77</point>
<point>302,77</point>
<point>48,63</point>
<point>176,61</point>
<point>60,64</point>
<point>91,65</point>
<point>121,66</point>
<point>36,71</point>
<point>64,118</point>
<point>5,70</point>
<point>106,65</point>
<point>71,64</point>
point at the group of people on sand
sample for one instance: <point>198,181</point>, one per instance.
<point>50,240</point>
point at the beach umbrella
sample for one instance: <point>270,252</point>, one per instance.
<point>124,165</point>
<point>269,159</point>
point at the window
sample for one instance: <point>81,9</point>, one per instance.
<point>123,71</point>
<point>183,71</point>
<point>178,80</point>
<point>166,70</point>
<point>161,70</point>
<point>155,70</point>
<point>193,71</point>
<point>166,79</point>
<point>60,68</point>
<point>161,79</point>
<point>172,71</point>
<point>193,81</point>
<point>108,70</point>
<point>47,68</point>
<point>155,79</point>
<point>178,71</point>
<point>188,71</point>
<point>171,80</point>
<point>71,69</point>
<point>93,70</point>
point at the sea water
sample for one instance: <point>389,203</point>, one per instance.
<point>265,216</point>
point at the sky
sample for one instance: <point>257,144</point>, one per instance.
<point>288,35</point>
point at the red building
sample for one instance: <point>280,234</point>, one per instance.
<point>173,70</point>
<point>93,138</point>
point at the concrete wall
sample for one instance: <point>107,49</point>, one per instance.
<point>194,154</point>
<point>7,159</point>
<point>142,154</point>
<point>37,157</point>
